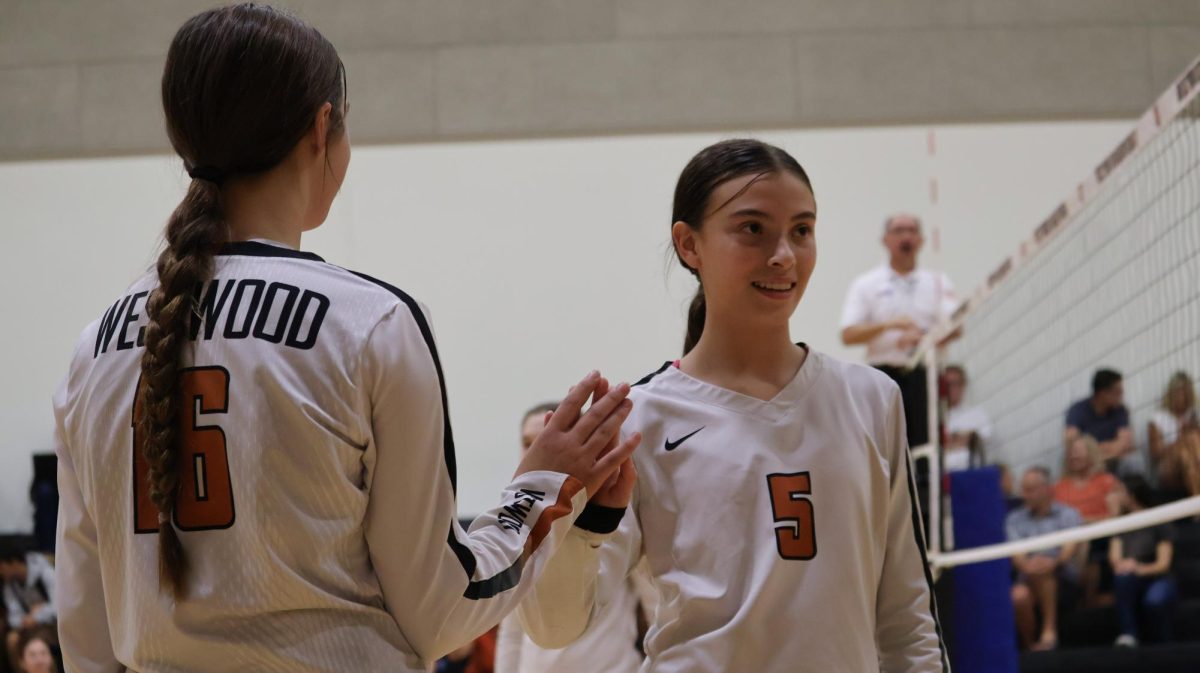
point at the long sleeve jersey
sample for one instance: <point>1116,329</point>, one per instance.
<point>782,535</point>
<point>317,497</point>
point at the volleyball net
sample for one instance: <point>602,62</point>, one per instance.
<point>1110,279</point>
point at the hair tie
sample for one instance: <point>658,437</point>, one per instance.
<point>208,174</point>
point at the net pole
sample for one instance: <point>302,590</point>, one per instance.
<point>935,442</point>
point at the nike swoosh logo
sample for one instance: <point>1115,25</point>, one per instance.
<point>671,446</point>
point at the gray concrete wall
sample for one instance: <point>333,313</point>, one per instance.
<point>80,77</point>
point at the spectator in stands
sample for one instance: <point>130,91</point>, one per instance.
<point>28,593</point>
<point>1174,432</point>
<point>1093,492</point>
<point>1141,560</point>
<point>1085,485</point>
<point>1104,417</point>
<point>1047,579</point>
<point>890,307</point>
<point>36,651</point>
<point>967,428</point>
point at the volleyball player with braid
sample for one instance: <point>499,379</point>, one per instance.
<point>256,463</point>
<point>774,499</point>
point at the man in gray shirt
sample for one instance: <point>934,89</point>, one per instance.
<point>1046,576</point>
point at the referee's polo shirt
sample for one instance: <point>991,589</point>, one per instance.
<point>881,294</point>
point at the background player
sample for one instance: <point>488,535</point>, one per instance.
<point>610,643</point>
<point>277,493</point>
<point>774,501</point>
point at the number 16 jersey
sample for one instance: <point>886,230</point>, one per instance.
<point>316,502</point>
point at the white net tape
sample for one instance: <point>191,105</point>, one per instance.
<point>1145,518</point>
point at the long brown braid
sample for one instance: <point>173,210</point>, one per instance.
<point>192,234</point>
<point>241,87</point>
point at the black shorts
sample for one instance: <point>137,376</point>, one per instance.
<point>914,391</point>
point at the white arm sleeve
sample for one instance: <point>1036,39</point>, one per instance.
<point>508,646</point>
<point>907,632</point>
<point>593,562</point>
<point>443,586</point>
<point>79,594</point>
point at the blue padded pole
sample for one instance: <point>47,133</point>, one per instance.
<point>984,630</point>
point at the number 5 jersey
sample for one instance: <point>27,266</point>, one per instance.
<point>782,535</point>
<point>316,503</point>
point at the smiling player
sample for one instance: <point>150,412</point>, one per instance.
<point>774,501</point>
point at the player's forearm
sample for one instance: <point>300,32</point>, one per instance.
<point>862,333</point>
<point>508,645</point>
<point>906,626</point>
<point>469,587</point>
<point>560,604</point>
<point>905,610</point>
<point>1162,560</point>
<point>1114,448</point>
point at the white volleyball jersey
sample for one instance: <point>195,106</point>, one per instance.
<point>317,505</point>
<point>608,645</point>
<point>782,536</point>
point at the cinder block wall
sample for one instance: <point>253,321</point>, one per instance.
<point>80,77</point>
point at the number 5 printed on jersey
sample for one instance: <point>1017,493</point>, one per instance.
<point>205,500</point>
<point>797,538</point>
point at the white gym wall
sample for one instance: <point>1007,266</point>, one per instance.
<point>539,259</point>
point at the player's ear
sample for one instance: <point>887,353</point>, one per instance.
<point>318,134</point>
<point>684,239</point>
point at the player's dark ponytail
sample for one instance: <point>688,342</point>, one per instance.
<point>241,87</point>
<point>695,320</point>
<point>709,169</point>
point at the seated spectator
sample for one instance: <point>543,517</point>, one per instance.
<point>1104,417</point>
<point>1093,492</point>
<point>35,648</point>
<point>1174,432</point>
<point>1141,560</point>
<point>28,593</point>
<point>967,428</point>
<point>1085,485</point>
<point>1047,579</point>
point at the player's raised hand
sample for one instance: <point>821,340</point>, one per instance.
<point>580,443</point>
<point>618,490</point>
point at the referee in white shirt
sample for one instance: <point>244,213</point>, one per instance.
<point>890,307</point>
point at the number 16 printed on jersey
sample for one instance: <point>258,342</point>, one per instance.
<point>205,500</point>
